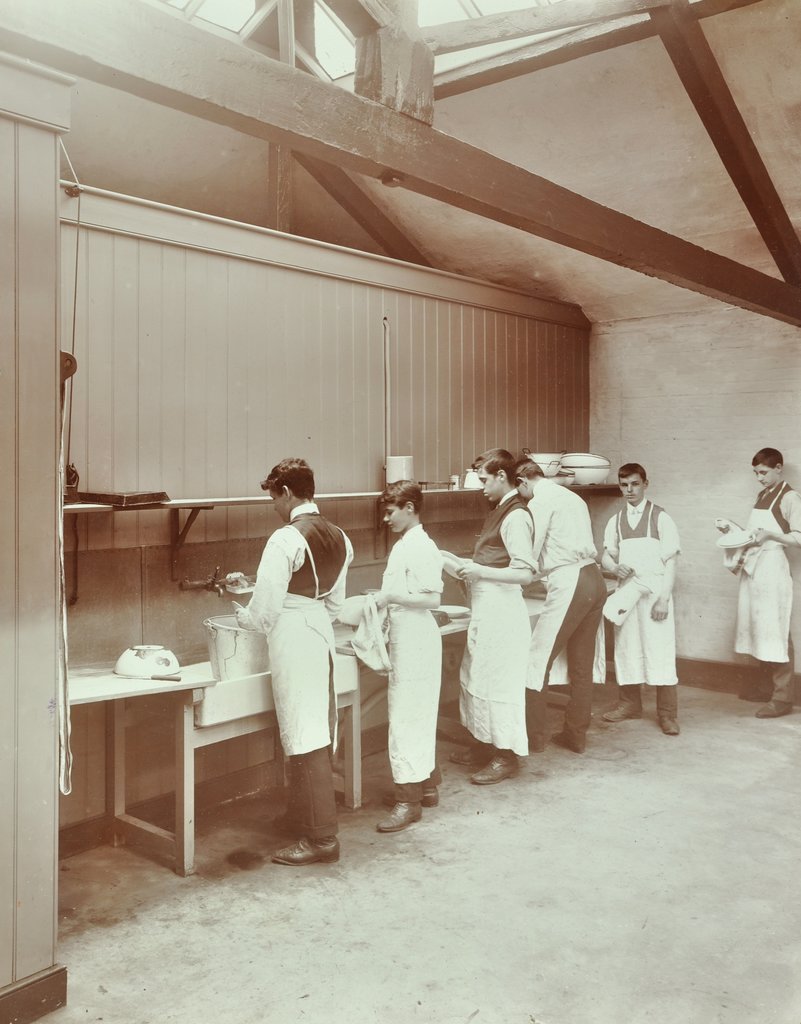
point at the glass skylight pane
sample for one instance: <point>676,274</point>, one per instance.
<point>436,12</point>
<point>230,14</point>
<point>335,52</point>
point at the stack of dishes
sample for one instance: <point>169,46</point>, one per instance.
<point>589,468</point>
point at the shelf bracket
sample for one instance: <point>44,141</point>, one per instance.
<point>178,534</point>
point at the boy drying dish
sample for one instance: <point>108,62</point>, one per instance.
<point>765,598</point>
<point>410,588</point>
<point>641,546</point>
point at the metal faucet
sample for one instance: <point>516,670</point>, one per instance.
<point>214,583</point>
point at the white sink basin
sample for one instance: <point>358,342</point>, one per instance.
<point>230,699</point>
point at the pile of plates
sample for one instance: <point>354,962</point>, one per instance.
<point>572,467</point>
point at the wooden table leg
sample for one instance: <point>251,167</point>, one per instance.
<point>115,768</point>
<point>353,755</point>
<point>184,785</point>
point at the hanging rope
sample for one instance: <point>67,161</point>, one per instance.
<point>68,475</point>
<point>74,192</point>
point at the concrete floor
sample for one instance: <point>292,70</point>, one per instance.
<point>652,879</point>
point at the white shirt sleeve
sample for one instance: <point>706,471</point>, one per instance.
<point>669,543</point>
<point>424,566</point>
<point>335,600</point>
<point>790,506</point>
<point>541,512</point>
<point>283,554</point>
<point>517,534</point>
<point>610,537</point>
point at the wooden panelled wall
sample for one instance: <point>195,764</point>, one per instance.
<point>207,351</point>
<point>34,107</point>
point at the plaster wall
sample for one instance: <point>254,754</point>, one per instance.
<point>692,398</point>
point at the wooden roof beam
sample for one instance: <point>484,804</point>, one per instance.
<point>131,46</point>
<point>561,49</point>
<point>497,28</point>
<point>361,207</point>
<point>703,79</point>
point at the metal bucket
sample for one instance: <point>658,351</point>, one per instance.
<point>235,652</point>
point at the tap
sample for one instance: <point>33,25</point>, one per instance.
<point>214,583</point>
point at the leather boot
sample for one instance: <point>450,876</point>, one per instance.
<point>309,851</point>
<point>400,817</point>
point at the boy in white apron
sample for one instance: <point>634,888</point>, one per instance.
<point>493,674</point>
<point>641,540</point>
<point>300,587</point>
<point>411,586</point>
<point>765,597</point>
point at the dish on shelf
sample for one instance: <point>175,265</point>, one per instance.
<point>549,462</point>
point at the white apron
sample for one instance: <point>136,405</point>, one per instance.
<point>765,597</point>
<point>415,652</point>
<point>493,673</point>
<point>645,650</point>
<point>561,588</point>
<point>301,662</point>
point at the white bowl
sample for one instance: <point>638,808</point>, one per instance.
<point>565,477</point>
<point>549,462</point>
<point>581,460</point>
<point>590,475</point>
<point>145,661</point>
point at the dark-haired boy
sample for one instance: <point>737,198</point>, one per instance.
<point>410,588</point>
<point>765,598</point>
<point>493,673</point>
<point>642,540</point>
<point>300,587</point>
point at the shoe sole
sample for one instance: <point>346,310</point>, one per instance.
<point>624,718</point>
<point>493,782</point>
<point>398,828</point>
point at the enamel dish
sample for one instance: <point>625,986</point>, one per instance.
<point>455,611</point>
<point>735,539</point>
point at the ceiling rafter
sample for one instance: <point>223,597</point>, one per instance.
<point>567,46</point>
<point>709,92</point>
<point>361,207</point>
<point>496,28</point>
<point>152,55</point>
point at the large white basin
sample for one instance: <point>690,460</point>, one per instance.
<point>230,699</point>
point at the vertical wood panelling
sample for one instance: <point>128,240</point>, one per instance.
<point>38,621</point>
<point>8,554</point>
<point>199,371</point>
<point>29,509</point>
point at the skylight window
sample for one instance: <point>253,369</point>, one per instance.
<point>230,14</point>
<point>336,52</point>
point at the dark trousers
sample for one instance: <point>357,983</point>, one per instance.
<point>311,804</point>
<point>577,635</point>
<point>780,675</point>
<point>412,792</point>
<point>667,699</point>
